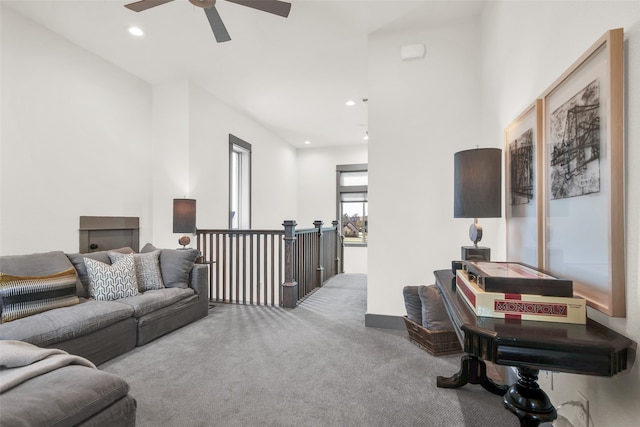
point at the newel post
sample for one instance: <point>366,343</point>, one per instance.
<point>290,286</point>
<point>337,266</point>
<point>320,251</point>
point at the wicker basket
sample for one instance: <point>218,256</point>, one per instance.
<point>435,342</point>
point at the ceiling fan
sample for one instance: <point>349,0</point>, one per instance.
<point>276,7</point>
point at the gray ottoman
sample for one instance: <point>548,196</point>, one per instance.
<point>69,396</point>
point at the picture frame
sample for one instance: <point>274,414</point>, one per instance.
<point>523,181</point>
<point>583,176</point>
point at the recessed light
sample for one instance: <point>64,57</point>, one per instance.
<point>307,142</point>
<point>350,103</point>
<point>366,136</point>
<point>136,31</point>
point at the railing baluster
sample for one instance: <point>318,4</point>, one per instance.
<point>258,269</point>
<point>251,238</point>
<point>217,268</point>
<point>244,268</point>
<point>273,269</point>
<point>265,282</point>
<point>224,269</point>
<point>237,264</point>
<point>280,245</point>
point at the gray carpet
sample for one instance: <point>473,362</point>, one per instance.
<point>315,365</point>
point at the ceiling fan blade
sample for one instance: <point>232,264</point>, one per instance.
<point>219,30</point>
<point>276,7</point>
<point>141,5</point>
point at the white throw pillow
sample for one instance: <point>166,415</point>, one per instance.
<point>111,282</point>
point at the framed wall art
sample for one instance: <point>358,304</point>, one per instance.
<point>583,176</point>
<point>523,151</point>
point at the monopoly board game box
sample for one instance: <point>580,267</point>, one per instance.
<point>520,306</point>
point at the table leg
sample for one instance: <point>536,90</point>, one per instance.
<point>528,401</point>
<point>472,371</point>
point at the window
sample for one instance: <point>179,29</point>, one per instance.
<point>352,205</point>
<point>239,183</point>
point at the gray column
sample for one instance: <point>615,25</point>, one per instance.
<point>337,267</point>
<point>290,286</point>
<point>319,277</point>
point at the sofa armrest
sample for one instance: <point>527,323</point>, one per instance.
<point>199,282</point>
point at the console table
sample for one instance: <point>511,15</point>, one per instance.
<point>530,346</point>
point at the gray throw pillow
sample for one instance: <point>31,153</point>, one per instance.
<point>434,314</point>
<point>412,303</point>
<point>148,273</point>
<point>175,265</point>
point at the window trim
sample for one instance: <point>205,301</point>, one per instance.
<point>234,142</point>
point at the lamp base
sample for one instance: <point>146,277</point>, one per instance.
<point>475,253</point>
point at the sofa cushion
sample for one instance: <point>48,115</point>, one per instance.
<point>62,324</point>
<point>148,273</point>
<point>434,313</point>
<point>63,397</point>
<point>151,301</point>
<point>78,262</point>
<point>111,282</point>
<point>22,296</point>
<point>175,265</point>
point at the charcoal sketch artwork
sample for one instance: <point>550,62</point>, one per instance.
<point>574,167</point>
<point>521,168</point>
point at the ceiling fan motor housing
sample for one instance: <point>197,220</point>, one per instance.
<point>205,4</point>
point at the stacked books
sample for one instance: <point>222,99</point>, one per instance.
<point>517,292</point>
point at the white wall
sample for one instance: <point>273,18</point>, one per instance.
<point>317,180</point>
<point>317,192</point>
<point>170,154</point>
<point>191,147</point>
<point>420,114</point>
<point>525,47</point>
<point>83,137</point>
<point>75,140</point>
<point>273,165</point>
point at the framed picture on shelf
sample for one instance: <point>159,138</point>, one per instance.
<point>523,150</point>
<point>583,176</point>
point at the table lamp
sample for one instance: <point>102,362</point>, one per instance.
<point>184,219</point>
<point>477,194</point>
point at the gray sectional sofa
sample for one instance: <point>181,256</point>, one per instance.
<point>97,330</point>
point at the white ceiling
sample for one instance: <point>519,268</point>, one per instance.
<point>293,75</point>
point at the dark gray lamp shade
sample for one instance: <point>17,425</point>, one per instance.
<point>184,216</point>
<point>478,183</point>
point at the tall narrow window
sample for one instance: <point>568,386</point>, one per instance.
<point>239,183</point>
<point>352,204</point>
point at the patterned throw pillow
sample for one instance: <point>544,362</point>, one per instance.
<point>148,272</point>
<point>111,282</point>
<point>22,296</point>
<point>83,277</point>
